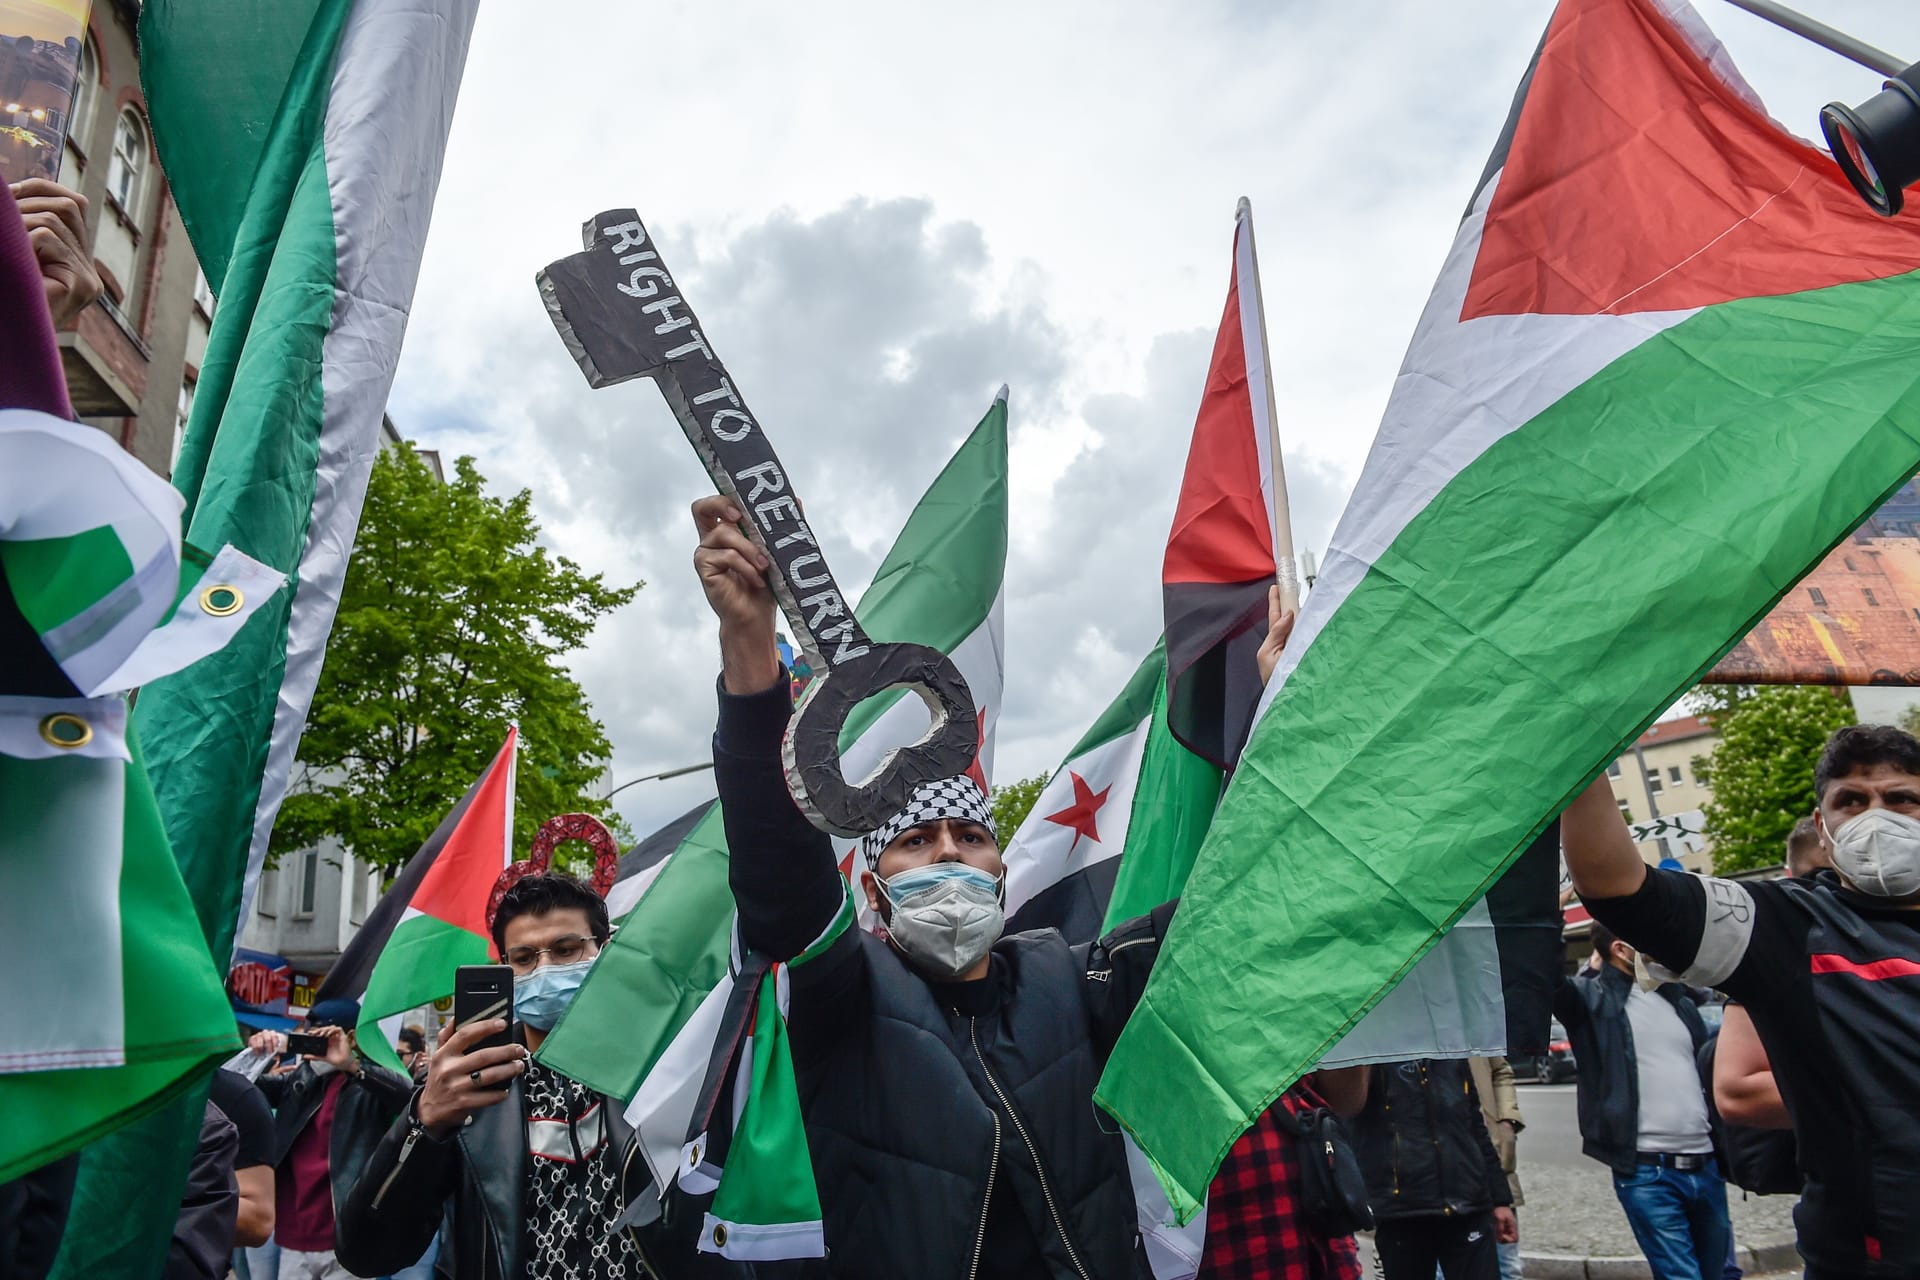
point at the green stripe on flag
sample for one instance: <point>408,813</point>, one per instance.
<point>1563,589</point>
<point>54,580</point>
<point>1173,804</point>
<point>415,968</point>
<point>176,1011</point>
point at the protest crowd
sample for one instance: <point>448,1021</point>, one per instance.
<point>885,1037</point>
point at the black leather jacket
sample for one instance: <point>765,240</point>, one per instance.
<point>368,1103</point>
<point>1594,1012</point>
<point>476,1179</point>
<point>1423,1143</point>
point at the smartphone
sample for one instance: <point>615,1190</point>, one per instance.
<point>315,1045</point>
<point>482,991</point>
<point>40,72</point>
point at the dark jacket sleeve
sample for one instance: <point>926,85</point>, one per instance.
<point>1499,1190</point>
<point>394,1206</point>
<point>1118,966</point>
<point>785,884</point>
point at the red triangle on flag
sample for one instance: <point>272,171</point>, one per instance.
<point>1220,527</point>
<point>1639,180</point>
<point>456,886</point>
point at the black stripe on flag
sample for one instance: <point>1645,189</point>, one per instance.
<point>1214,631</point>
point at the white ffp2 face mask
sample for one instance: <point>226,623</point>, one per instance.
<point>945,917</point>
<point>1879,852</point>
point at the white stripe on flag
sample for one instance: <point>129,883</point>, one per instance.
<point>396,75</point>
<point>662,1111</point>
<point>1448,1006</point>
<point>1043,853</point>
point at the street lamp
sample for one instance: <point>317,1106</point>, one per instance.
<point>656,777</point>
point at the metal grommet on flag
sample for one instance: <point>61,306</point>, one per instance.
<point>222,600</point>
<point>66,731</point>
<point>720,1234</point>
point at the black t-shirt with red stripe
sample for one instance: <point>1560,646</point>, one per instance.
<point>1832,980</point>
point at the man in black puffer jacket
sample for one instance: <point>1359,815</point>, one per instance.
<point>1439,1195</point>
<point>945,1072</point>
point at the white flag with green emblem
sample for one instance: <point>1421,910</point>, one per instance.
<point>97,594</point>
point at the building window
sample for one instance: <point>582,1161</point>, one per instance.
<point>1673,774</point>
<point>307,889</point>
<point>127,171</point>
<point>182,412</point>
<point>86,92</point>
<point>1868,593</point>
<point>1626,811</point>
<point>202,293</point>
<point>266,895</point>
<point>1653,781</point>
<point>1613,770</point>
<point>1819,599</point>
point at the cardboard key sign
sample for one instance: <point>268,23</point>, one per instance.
<point>621,315</point>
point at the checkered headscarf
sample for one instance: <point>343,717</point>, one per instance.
<point>956,797</point>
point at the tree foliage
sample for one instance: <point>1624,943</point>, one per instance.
<point>1761,771</point>
<point>452,625</point>
<point>1012,803</point>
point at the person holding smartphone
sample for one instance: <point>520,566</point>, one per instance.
<point>530,1170</point>
<point>328,1114</point>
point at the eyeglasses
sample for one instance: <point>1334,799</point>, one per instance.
<point>563,950</point>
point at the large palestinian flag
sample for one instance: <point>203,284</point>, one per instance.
<point>1668,363</point>
<point>1228,546</point>
<point>434,917</point>
<point>643,1025</point>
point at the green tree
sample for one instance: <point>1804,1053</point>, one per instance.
<point>1012,803</point>
<point>452,625</point>
<point>1761,771</point>
<point>1910,720</point>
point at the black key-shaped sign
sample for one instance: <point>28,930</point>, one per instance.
<point>621,315</point>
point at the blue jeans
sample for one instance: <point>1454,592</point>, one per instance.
<point>1680,1220</point>
<point>423,1269</point>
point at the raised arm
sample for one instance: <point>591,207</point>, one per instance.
<point>781,869</point>
<point>1600,853</point>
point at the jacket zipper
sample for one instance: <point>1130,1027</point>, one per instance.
<point>1059,1225</point>
<point>406,1149</point>
<point>993,1165</point>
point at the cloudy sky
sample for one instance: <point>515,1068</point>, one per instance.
<point>884,211</point>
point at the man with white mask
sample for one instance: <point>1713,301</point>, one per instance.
<point>1828,967</point>
<point>945,1070</point>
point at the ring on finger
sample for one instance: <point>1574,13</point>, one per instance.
<point>474,1076</point>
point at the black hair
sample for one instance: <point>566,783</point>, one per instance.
<point>413,1039</point>
<point>1861,746</point>
<point>545,891</point>
<point>1603,939</point>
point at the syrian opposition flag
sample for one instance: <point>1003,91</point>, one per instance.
<point>643,1026</point>
<point>1115,830</point>
<point>1227,546</point>
<point>434,917</point>
<point>1668,364</point>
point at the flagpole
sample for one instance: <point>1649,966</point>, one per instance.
<point>1849,47</point>
<point>1286,571</point>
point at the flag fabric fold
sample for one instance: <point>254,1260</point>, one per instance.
<point>302,142</point>
<point>644,1025</point>
<point>1691,397</point>
<point>1220,558</point>
<point>434,918</point>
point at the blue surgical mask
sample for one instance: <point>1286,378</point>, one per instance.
<point>540,997</point>
<point>934,874</point>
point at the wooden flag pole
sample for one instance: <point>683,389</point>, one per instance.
<point>1286,570</point>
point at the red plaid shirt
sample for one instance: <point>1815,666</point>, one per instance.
<point>1253,1230</point>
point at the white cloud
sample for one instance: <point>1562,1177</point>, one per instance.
<point>882,212</point>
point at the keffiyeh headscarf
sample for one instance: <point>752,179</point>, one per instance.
<point>958,797</point>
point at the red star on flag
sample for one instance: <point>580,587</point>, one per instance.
<point>1081,813</point>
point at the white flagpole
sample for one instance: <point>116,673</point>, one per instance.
<point>1287,573</point>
